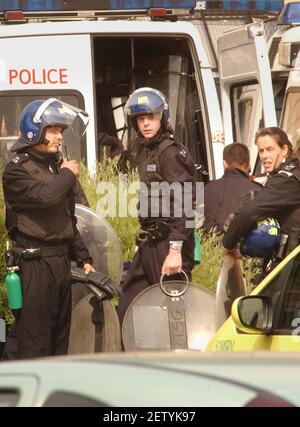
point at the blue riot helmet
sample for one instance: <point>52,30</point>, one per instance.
<point>262,240</point>
<point>40,114</point>
<point>147,100</point>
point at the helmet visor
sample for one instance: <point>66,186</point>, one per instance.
<point>54,112</point>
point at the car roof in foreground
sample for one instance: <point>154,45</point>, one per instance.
<point>163,378</point>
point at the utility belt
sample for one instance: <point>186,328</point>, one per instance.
<point>15,253</point>
<point>155,232</point>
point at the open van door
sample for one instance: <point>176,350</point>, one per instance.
<point>246,85</point>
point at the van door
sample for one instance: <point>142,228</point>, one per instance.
<point>246,85</point>
<point>169,59</point>
<point>40,67</point>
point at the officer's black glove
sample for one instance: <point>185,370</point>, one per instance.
<point>104,283</point>
<point>100,280</point>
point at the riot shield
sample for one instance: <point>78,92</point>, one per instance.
<point>95,324</point>
<point>231,285</point>
<point>94,327</point>
<point>102,242</point>
<point>183,317</point>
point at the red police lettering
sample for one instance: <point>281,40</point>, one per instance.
<point>38,77</point>
<point>12,75</point>
<point>49,72</point>
<point>63,75</point>
<point>25,77</point>
<point>34,79</point>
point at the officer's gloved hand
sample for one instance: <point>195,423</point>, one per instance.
<point>104,283</point>
<point>77,275</point>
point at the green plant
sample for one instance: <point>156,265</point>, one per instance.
<point>207,272</point>
<point>5,313</point>
<point>125,226</point>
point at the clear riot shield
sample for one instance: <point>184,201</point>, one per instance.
<point>95,324</point>
<point>101,240</point>
<point>172,315</point>
<point>230,285</point>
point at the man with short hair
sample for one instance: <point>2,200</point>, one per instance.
<point>223,196</point>
<point>166,239</point>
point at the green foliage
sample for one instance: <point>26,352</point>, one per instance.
<point>5,313</point>
<point>126,226</point>
<point>207,272</point>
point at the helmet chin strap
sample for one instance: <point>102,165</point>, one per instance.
<point>274,165</point>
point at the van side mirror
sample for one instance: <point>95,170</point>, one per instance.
<point>253,314</point>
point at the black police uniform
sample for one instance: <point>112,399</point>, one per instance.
<point>279,198</point>
<point>169,162</point>
<point>223,197</point>
<point>40,213</point>
<point>133,156</point>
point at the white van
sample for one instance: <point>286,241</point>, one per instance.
<point>94,61</point>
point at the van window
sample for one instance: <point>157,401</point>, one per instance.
<point>291,117</point>
<point>247,116</point>
<point>11,106</point>
<point>245,109</point>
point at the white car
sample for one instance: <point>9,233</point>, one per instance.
<point>185,379</point>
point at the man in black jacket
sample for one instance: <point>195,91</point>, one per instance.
<point>279,198</point>
<point>39,193</point>
<point>166,240</point>
<point>223,196</point>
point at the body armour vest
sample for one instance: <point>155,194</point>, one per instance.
<point>156,196</point>
<point>51,224</point>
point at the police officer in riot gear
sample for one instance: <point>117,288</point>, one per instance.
<point>166,240</point>
<point>39,197</point>
<point>280,197</point>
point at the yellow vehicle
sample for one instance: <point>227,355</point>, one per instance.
<point>268,319</point>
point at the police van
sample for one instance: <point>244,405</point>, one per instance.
<point>94,58</point>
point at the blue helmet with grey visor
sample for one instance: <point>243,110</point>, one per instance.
<point>147,100</point>
<point>39,114</point>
